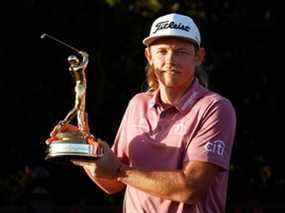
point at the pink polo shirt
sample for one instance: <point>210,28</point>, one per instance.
<point>200,127</point>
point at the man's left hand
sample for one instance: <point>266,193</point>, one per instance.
<point>106,166</point>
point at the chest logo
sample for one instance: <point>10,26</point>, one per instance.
<point>141,124</point>
<point>178,129</point>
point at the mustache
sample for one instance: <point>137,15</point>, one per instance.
<point>174,70</point>
<point>167,69</point>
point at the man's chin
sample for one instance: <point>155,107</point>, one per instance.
<point>171,84</point>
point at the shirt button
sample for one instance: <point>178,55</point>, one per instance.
<point>163,114</point>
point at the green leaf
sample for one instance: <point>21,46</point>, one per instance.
<point>113,2</point>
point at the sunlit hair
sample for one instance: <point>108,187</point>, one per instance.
<point>152,82</point>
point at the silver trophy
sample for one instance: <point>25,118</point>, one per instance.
<point>67,141</point>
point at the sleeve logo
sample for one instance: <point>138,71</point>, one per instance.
<point>217,147</point>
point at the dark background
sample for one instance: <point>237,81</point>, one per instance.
<point>37,90</point>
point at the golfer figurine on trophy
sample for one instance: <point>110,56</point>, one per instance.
<point>69,142</point>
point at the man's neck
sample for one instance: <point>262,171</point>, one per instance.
<point>171,95</point>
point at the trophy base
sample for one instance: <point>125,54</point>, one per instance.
<point>64,152</point>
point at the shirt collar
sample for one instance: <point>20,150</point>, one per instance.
<point>155,100</point>
<point>195,91</point>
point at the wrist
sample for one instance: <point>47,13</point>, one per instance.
<point>121,171</point>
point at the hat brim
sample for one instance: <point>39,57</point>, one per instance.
<point>150,39</point>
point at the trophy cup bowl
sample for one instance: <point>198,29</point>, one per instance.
<point>70,146</point>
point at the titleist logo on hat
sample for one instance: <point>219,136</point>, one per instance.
<point>172,25</point>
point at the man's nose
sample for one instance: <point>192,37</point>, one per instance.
<point>171,57</point>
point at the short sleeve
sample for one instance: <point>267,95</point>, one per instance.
<point>213,139</point>
<point>120,146</point>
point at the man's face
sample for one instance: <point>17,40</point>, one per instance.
<point>174,61</point>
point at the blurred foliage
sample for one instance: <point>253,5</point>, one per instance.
<point>238,39</point>
<point>13,187</point>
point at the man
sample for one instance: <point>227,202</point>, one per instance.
<point>172,150</point>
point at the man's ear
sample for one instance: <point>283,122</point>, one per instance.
<point>147,54</point>
<point>200,56</point>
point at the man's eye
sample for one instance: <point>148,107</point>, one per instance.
<point>161,52</point>
<point>183,52</point>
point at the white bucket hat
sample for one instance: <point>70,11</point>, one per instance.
<point>174,25</point>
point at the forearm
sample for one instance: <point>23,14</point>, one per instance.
<point>171,185</point>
